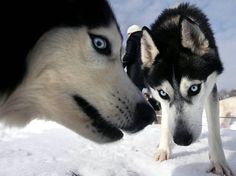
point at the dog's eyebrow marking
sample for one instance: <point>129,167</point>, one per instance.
<point>185,84</point>
<point>99,123</point>
<point>178,96</point>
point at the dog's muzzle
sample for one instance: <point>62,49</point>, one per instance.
<point>182,135</point>
<point>143,116</point>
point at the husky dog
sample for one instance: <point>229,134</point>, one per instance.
<point>181,63</point>
<point>61,62</point>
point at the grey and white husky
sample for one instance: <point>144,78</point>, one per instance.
<point>181,64</point>
<point>61,62</point>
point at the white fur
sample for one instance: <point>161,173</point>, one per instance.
<point>179,108</point>
<point>64,63</point>
<point>193,118</point>
<point>218,162</point>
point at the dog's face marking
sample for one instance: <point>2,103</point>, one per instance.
<point>75,77</point>
<point>183,105</point>
<point>181,64</point>
<point>112,98</point>
<point>174,66</point>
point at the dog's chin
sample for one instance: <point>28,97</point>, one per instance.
<point>106,131</point>
<point>110,133</point>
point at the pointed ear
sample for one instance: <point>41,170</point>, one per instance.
<point>193,38</point>
<point>148,48</point>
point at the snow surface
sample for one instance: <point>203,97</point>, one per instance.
<point>48,149</point>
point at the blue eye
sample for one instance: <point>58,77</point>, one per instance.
<point>194,89</point>
<point>100,44</point>
<point>163,94</point>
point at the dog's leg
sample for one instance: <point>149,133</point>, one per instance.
<point>164,150</point>
<point>218,164</point>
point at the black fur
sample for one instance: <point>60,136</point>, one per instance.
<point>173,58</point>
<point>101,125</point>
<point>106,128</point>
<point>24,21</point>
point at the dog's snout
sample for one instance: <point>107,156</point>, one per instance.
<point>182,136</point>
<point>143,116</point>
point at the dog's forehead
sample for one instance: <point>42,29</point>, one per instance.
<point>180,64</point>
<point>170,76</point>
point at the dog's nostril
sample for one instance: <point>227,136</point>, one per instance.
<point>143,116</point>
<point>144,113</point>
<point>182,137</point>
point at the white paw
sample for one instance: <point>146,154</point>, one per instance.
<point>220,169</point>
<point>162,155</point>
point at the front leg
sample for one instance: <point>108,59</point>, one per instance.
<point>218,164</point>
<point>164,149</point>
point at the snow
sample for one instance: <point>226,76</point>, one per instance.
<point>48,149</point>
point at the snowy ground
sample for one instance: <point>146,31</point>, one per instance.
<point>48,149</point>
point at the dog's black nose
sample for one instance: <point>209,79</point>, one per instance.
<point>143,116</point>
<point>183,139</point>
<point>182,136</point>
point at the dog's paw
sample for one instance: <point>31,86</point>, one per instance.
<point>162,155</point>
<point>220,169</point>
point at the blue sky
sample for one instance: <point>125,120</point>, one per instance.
<point>221,14</point>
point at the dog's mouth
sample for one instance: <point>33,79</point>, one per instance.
<point>102,127</point>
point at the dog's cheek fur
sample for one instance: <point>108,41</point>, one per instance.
<point>192,114</point>
<point>63,63</point>
<point>189,113</point>
<point>119,103</point>
<point>192,117</point>
<point>57,61</point>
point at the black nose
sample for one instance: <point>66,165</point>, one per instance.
<point>143,116</point>
<point>182,136</point>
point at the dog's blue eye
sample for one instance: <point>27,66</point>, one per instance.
<point>100,44</point>
<point>194,89</point>
<point>163,94</point>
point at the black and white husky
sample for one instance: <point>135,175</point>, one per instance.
<point>181,64</point>
<point>60,61</point>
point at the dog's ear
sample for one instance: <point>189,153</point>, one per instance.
<point>193,38</point>
<point>148,48</point>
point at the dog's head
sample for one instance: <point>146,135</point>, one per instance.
<point>181,68</point>
<point>75,76</point>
